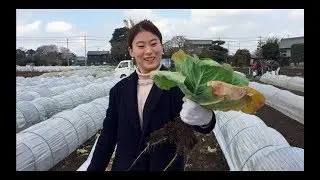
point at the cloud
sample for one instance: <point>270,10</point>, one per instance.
<point>208,13</point>
<point>296,14</point>
<point>217,29</point>
<point>230,25</point>
<point>27,29</point>
<point>202,24</point>
<point>58,26</point>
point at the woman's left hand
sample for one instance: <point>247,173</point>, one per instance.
<point>194,114</point>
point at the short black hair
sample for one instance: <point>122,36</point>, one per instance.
<point>145,25</point>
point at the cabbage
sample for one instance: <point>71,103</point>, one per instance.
<point>210,84</point>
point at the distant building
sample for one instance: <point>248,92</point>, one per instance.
<point>196,46</point>
<point>97,57</point>
<point>79,61</point>
<point>286,44</point>
<point>166,62</point>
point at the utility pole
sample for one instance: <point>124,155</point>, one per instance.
<point>68,51</point>
<point>227,59</point>
<point>85,50</point>
<point>260,48</point>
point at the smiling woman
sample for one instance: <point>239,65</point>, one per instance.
<point>145,46</point>
<point>138,107</point>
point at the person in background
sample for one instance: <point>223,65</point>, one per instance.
<point>257,66</point>
<point>137,107</point>
<point>276,67</point>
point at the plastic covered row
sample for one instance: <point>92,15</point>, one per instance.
<point>51,81</point>
<point>32,112</point>
<point>293,83</point>
<point>43,145</point>
<point>250,145</point>
<point>29,93</point>
<point>284,101</point>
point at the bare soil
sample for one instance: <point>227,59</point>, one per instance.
<point>29,73</point>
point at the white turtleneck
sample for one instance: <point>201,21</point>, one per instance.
<point>143,88</point>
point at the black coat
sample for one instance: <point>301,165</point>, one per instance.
<point>121,127</point>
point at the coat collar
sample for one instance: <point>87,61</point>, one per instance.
<point>150,104</point>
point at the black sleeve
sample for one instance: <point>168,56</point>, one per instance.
<point>178,96</point>
<point>207,128</point>
<point>108,137</point>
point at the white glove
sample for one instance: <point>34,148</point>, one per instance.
<point>194,114</point>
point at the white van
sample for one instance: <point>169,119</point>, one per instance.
<point>124,68</point>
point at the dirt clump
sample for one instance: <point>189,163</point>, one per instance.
<point>176,132</point>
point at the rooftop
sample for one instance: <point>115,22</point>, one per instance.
<point>286,43</point>
<point>199,42</point>
<point>97,52</point>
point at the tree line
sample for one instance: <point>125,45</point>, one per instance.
<point>45,55</point>
<point>269,49</point>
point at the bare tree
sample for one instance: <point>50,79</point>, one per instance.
<point>126,23</point>
<point>65,52</point>
<point>179,41</point>
<point>131,22</point>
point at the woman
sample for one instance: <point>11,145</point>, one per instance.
<point>137,107</point>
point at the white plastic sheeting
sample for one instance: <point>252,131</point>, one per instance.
<point>41,89</point>
<point>41,146</point>
<point>293,83</point>
<point>240,73</point>
<point>249,145</point>
<point>49,104</point>
<point>64,101</point>
<point>45,89</point>
<point>27,114</point>
<point>94,111</point>
<point>27,96</point>
<point>284,101</point>
<point>48,68</point>
<point>288,158</point>
<point>40,109</point>
<point>63,88</point>
<point>50,82</point>
<point>276,158</point>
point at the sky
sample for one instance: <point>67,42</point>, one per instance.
<point>239,28</point>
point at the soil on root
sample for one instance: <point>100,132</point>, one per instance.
<point>205,156</point>
<point>178,133</point>
<point>202,151</point>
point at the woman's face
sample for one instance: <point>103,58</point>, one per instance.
<point>147,51</point>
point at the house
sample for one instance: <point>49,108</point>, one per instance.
<point>97,57</point>
<point>196,46</point>
<point>79,61</point>
<point>286,44</point>
<point>166,62</point>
